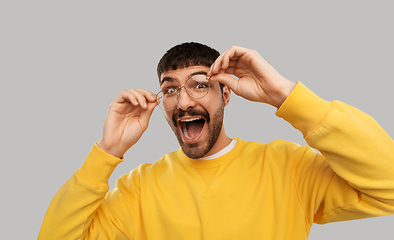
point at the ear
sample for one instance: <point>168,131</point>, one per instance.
<point>226,95</point>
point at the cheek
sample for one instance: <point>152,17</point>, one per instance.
<point>213,104</point>
<point>168,117</point>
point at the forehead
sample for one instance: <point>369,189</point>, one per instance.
<point>182,74</point>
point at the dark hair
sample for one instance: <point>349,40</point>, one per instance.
<point>186,55</point>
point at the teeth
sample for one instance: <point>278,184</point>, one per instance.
<point>186,134</point>
<point>190,119</point>
<point>184,129</point>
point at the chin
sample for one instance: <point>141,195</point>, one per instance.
<point>195,151</point>
<point>205,143</point>
<point>196,130</point>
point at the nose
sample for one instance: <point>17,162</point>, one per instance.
<point>184,100</point>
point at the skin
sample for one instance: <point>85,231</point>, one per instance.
<point>128,115</point>
<point>213,137</point>
<point>258,80</point>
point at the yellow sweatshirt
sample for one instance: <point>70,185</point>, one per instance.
<point>255,191</point>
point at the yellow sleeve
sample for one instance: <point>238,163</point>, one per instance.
<point>73,209</point>
<point>353,177</point>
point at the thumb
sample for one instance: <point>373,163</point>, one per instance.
<point>225,79</point>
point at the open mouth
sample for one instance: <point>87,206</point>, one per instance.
<point>192,127</point>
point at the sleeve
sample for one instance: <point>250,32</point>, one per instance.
<point>353,175</point>
<point>79,210</point>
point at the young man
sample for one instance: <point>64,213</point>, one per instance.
<point>216,187</point>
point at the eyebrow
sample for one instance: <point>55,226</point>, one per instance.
<point>171,79</point>
<point>198,73</point>
<point>167,79</point>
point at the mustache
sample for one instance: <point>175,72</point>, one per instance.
<point>189,112</point>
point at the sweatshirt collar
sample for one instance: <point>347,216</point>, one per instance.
<point>194,163</point>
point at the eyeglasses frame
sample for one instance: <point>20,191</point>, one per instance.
<point>178,91</point>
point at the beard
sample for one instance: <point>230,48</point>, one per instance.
<point>214,125</point>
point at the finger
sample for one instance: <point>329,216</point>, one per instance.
<point>140,98</point>
<point>233,63</point>
<point>212,69</point>
<point>234,53</point>
<point>229,67</point>
<point>215,67</point>
<point>231,70</point>
<point>125,96</point>
<point>226,79</point>
<point>145,115</point>
<point>227,58</point>
<point>149,96</point>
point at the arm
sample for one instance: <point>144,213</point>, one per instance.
<point>354,176</point>
<point>80,201</point>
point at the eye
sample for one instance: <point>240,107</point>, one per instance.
<point>198,83</point>
<point>169,91</point>
<point>201,86</point>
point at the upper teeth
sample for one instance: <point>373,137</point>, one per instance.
<point>190,119</point>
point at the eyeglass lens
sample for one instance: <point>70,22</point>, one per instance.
<point>196,87</point>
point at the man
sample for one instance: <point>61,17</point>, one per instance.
<point>216,187</point>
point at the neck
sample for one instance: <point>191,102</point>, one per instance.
<point>222,142</point>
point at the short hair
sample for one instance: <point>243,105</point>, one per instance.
<point>187,55</point>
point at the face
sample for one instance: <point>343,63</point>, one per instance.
<point>197,123</point>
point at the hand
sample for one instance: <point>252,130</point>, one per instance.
<point>127,119</point>
<point>257,80</point>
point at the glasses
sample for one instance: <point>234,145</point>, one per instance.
<point>196,87</point>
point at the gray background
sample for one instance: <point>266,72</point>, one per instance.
<point>63,62</point>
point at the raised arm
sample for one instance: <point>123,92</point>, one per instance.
<point>74,207</point>
<point>354,176</point>
<point>127,119</point>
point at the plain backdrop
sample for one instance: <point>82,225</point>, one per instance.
<point>63,62</point>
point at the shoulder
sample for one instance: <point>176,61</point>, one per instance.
<point>159,167</point>
<point>277,151</point>
<point>277,145</point>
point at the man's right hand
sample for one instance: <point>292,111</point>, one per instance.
<point>127,119</point>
